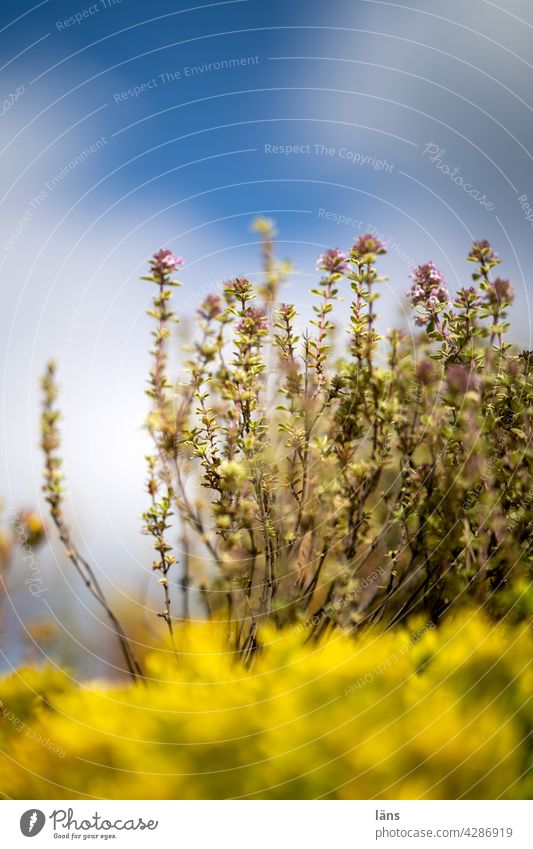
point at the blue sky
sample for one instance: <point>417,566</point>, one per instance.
<point>127,126</point>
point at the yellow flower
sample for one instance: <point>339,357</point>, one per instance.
<point>419,712</point>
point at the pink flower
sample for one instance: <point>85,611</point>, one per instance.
<point>500,292</point>
<point>468,298</point>
<point>164,263</point>
<point>333,261</point>
<point>461,379</point>
<point>482,252</point>
<point>253,322</point>
<point>211,307</point>
<point>240,287</point>
<point>428,289</point>
<point>425,372</point>
<point>368,244</point>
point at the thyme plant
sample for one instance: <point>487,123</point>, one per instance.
<point>333,478</point>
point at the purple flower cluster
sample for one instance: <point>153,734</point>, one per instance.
<point>240,287</point>
<point>425,372</point>
<point>368,244</point>
<point>211,307</point>
<point>461,379</point>
<point>164,263</point>
<point>482,252</point>
<point>253,322</point>
<point>500,292</point>
<point>333,261</point>
<point>468,298</point>
<point>428,289</point>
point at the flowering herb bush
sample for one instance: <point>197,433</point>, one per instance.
<point>415,712</point>
<point>333,478</point>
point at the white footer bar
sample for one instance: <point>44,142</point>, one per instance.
<point>269,824</point>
